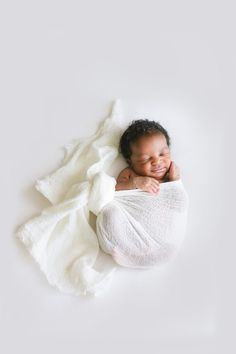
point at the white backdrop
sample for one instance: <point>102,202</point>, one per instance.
<point>62,65</point>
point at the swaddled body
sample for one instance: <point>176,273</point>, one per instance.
<point>139,229</point>
<point>144,225</point>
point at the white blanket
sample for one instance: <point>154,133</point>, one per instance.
<point>140,229</point>
<point>62,238</point>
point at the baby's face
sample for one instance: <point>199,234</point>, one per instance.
<point>150,156</point>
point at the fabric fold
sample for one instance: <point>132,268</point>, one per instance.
<point>141,230</point>
<point>61,239</point>
<point>136,228</point>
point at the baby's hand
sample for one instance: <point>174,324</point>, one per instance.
<point>173,173</point>
<point>147,184</point>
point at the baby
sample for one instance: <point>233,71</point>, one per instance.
<point>145,145</point>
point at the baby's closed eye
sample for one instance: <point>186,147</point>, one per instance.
<point>143,161</point>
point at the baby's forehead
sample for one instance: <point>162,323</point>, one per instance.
<point>149,143</point>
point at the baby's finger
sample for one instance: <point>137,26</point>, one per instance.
<point>172,165</point>
<point>156,183</point>
<point>150,189</point>
<point>172,170</point>
<point>155,189</point>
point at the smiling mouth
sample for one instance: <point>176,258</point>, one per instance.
<point>159,170</point>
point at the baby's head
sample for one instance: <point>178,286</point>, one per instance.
<point>145,145</point>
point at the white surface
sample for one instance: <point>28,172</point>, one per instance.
<point>63,63</point>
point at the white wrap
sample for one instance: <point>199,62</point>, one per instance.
<point>62,239</point>
<point>140,229</point>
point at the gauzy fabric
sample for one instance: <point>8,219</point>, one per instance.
<point>133,228</point>
<point>140,229</point>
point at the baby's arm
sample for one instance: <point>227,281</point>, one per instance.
<point>125,180</point>
<point>128,179</point>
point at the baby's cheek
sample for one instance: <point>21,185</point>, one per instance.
<point>138,169</point>
<point>144,170</point>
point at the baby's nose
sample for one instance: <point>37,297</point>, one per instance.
<point>156,160</point>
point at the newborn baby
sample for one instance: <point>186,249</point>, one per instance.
<point>136,230</point>
<point>145,145</point>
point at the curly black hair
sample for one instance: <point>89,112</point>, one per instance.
<point>135,130</point>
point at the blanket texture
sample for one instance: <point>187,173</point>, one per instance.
<point>140,229</point>
<point>62,238</point>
